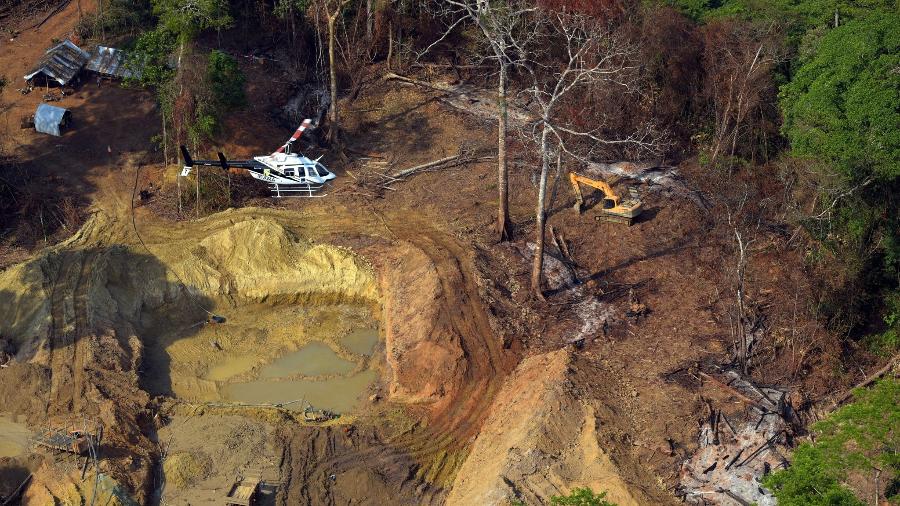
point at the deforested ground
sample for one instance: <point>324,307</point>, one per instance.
<point>427,371</point>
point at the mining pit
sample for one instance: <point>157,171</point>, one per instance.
<point>313,340</point>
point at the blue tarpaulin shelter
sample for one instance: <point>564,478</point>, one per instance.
<point>49,119</point>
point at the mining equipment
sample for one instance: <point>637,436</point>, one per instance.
<point>612,208</point>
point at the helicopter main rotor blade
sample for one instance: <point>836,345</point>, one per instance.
<point>303,126</point>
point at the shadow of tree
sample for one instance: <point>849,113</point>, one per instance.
<point>80,311</point>
<point>47,182</point>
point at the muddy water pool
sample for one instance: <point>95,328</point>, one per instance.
<point>314,359</point>
<point>361,341</point>
<point>271,354</point>
<point>340,394</point>
<point>332,382</point>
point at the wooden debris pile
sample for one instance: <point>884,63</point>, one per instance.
<point>376,176</point>
<point>734,455</point>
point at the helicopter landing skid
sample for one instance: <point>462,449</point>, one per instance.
<point>296,191</point>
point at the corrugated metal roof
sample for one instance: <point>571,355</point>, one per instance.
<point>61,62</point>
<point>109,61</point>
<point>48,118</point>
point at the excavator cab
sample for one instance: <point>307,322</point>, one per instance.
<point>612,208</point>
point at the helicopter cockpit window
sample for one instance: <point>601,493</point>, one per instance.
<point>321,170</point>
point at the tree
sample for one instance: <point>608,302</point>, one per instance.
<point>184,19</point>
<point>226,80</point>
<point>840,108</point>
<point>738,61</point>
<point>591,56</point>
<point>861,436</point>
<point>187,18</point>
<point>581,497</point>
<point>504,26</point>
<point>332,10</point>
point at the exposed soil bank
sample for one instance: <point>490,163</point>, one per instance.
<point>13,436</point>
<point>541,440</point>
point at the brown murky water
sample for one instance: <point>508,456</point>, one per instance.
<point>314,359</point>
<point>340,394</point>
<point>361,341</point>
<point>266,354</point>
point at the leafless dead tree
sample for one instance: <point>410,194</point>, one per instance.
<point>739,62</point>
<point>591,56</point>
<point>506,27</point>
<point>331,10</point>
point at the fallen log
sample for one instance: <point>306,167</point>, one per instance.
<point>470,100</point>
<point>424,166</point>
<point>740,500</point>
<point>734,392</point>
<point>390,76</point>
<point>866,382</point>
<point>58,8</point>
<point>9,500</point>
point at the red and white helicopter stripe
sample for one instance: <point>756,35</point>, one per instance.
<point>303,126</point>
<point>287,174</point>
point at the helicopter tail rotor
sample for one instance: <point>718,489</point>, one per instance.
<point>223,161</point>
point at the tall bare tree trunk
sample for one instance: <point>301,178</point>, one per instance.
<point>503,223</point>
<point>198,191</point>
<point>165,143</point>
<point>333,117</point>
<point>742,345</point>
<point>390,44</point>
<point>537,267</point>
<point>100,18</point>
<point>370,20</point>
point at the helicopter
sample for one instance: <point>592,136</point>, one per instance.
<point>287,174</point>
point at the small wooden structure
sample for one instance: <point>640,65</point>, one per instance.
<point>244,491</point>
<point>67,439</point>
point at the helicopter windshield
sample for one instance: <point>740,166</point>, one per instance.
<point>321,170</point>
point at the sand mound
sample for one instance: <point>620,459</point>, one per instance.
<point>261,261</point>
<point>251,261</point>
<point>539,441</point>
<point>49,486</point>
<point>183,469</point>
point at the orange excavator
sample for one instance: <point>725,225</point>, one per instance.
<point>613,208</point>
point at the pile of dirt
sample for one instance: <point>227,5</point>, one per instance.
<point>261,261</point>
<point>540,440</point>
<point>183,469</point>
<point>54,484</point>
<point>206,451</point>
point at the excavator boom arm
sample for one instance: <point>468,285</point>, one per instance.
<point>578,179</point>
